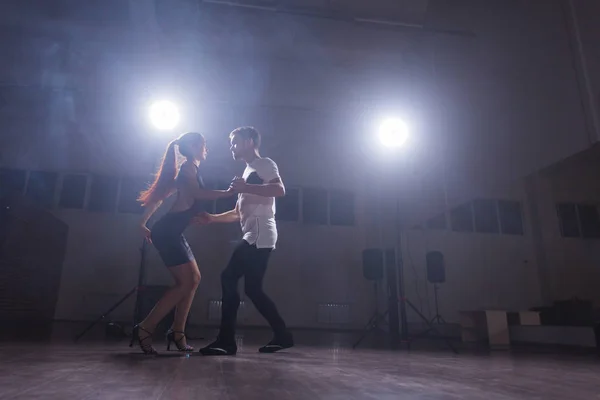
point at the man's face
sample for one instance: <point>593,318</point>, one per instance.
<point>240,147</point>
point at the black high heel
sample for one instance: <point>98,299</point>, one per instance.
<point>171,339</point>
<point>135,335</point>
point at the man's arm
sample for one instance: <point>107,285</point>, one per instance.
<point>189,175</point>
<point>268,172</point>
<point>274,188</point>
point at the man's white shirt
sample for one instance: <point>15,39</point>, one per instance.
<point>257,213</point>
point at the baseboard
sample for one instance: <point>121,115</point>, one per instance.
<point>570,336</point>
<point>446,330</point>
<point>26,329</point>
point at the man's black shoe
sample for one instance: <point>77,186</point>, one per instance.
<point>219,348</point>
<point>280,342</point>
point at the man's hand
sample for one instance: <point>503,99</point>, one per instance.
<point>202,219</point>
<point>239,185</point>
<point>274,188</point>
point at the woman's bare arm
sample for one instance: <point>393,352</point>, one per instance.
<point>188,170</point>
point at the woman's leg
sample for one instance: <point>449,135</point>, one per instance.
<point>186,281</point>
<point>182,309</point>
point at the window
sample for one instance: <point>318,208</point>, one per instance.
<point>103,195</point>
<point>130,191</point>
<point>341,208</point>
<point>589,220</point>
<point>462,218</point>
<point>486,218</point>
<point>569,224</point>
<point>12,181</point>
<point>511,218</point>
<point>314,206</point>
<point>579,220</point>
<point>92,11</point>
<point>40,188</point>
<point>437,222</point>
<point>72,193</point>
<point>288,206</point>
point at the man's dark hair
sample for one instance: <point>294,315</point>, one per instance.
<point>247,133</point>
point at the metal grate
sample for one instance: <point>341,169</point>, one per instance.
<point>214,311</point>
<point>333,313</point>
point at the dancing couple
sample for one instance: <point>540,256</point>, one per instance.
<point>255,210</point>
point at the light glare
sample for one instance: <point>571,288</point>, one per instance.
<point>393,133</point>
<point>164,115</point>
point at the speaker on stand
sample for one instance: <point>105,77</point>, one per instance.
<point>436,274</point>
<point>373,260</point>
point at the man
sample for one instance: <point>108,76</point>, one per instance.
<point>255,209</point>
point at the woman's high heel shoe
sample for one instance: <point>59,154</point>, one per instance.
<point>171,339</point>
<point>135,335</point>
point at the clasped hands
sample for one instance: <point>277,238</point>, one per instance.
<point>237,185</point>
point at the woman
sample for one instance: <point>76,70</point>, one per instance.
<point>167,236</point>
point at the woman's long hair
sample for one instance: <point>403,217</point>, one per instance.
<point>164,181</point>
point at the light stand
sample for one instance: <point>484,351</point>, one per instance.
<point>136,290</point>
<point>404,301</point>
<point>137,313</point>
<point>437,318</point>
<point>376,320</point>
<point>164,115</point>
<point>389,276</point>
<point>400,274</point>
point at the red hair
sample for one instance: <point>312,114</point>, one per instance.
<point>164,182</point>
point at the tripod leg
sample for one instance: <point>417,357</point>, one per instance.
<point>371,325</point>
<point>364,335</point>
<point>360,339</point>
<point>368,328</point>
<point>431,326</point>
<point>373,321</point>
<point>105,314</point>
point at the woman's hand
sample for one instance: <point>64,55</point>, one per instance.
<point>227,193</point>
<point>238,185</point>
<point>203,219</point>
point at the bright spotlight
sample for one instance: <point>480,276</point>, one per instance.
<point>164,115</point>
<point>393,133</point>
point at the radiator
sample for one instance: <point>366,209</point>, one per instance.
<point>333,313</point>
<point>214,311</point>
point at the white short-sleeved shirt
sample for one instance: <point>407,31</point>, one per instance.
<point>257,213</point>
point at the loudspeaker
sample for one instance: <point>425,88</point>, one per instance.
<point>372,264</point>
<point>373,270</point>
<point>436,271</point>
<point>32,250</point>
